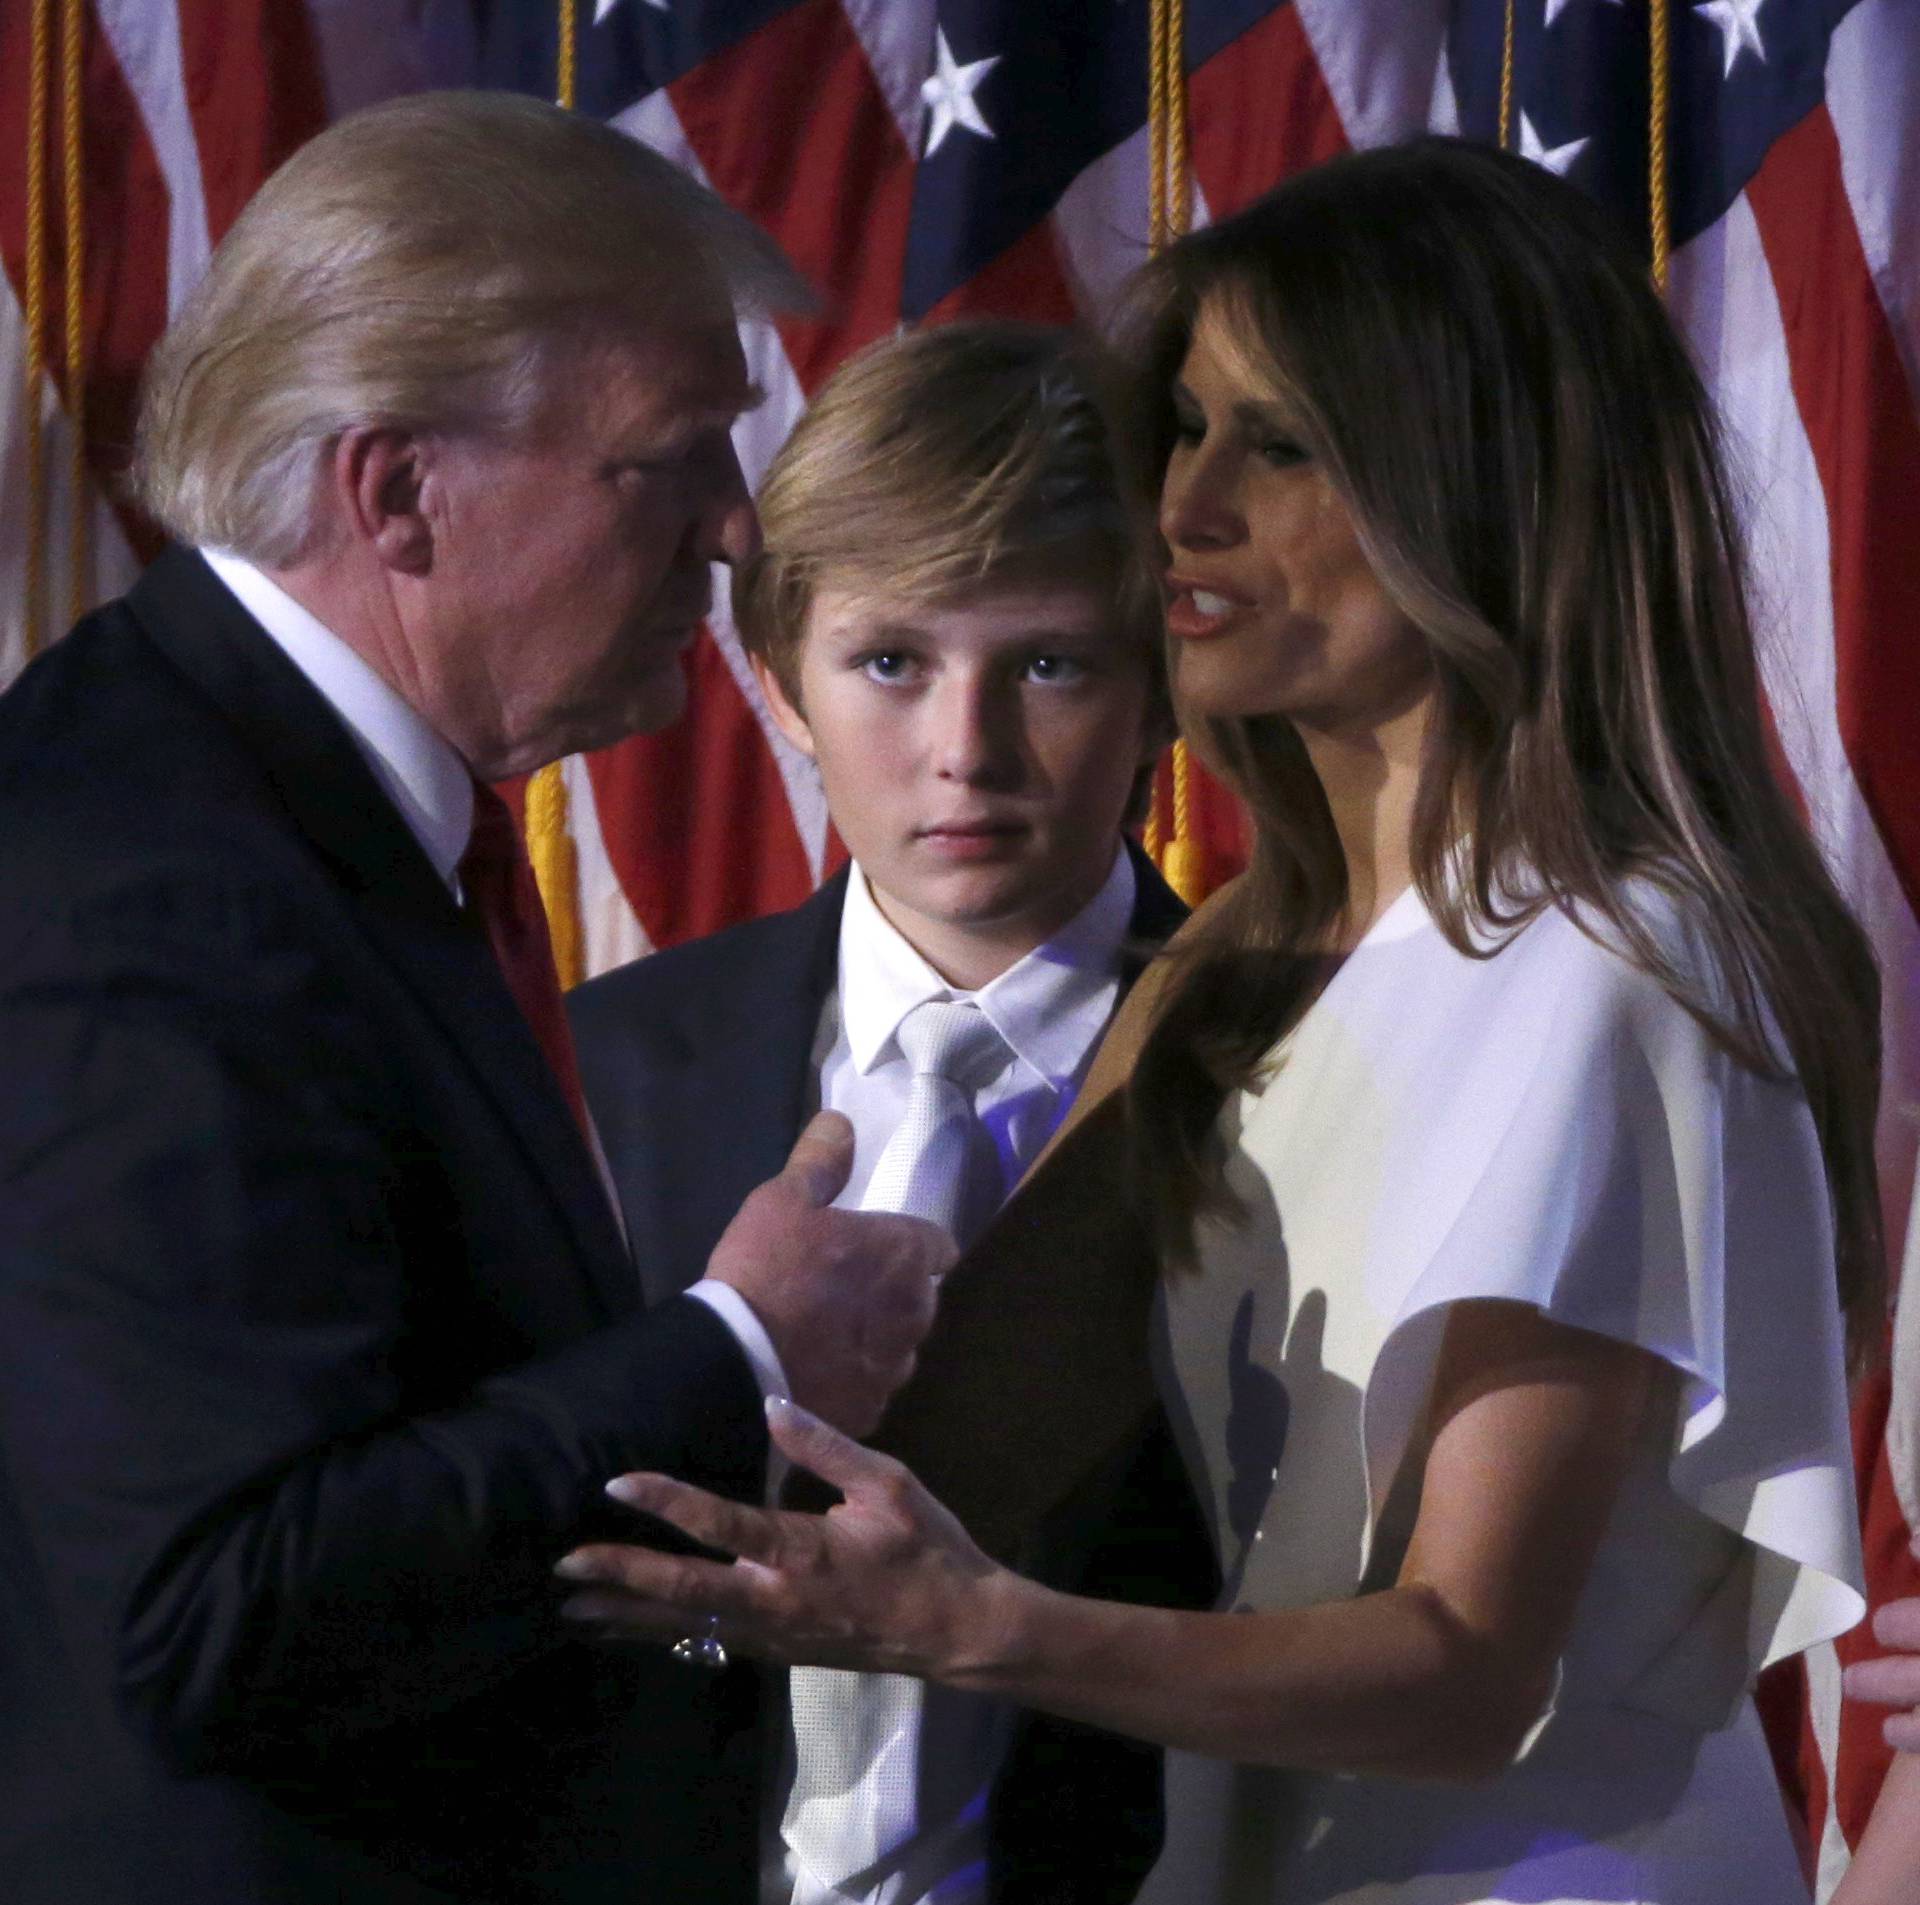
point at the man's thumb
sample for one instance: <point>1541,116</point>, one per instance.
<point>821,1159</point>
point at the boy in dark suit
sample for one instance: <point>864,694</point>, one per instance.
<point>956,617</point>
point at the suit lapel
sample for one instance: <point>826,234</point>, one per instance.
<point>315,772</point>
<point>1158,913</point>
<point>450,969</point>
<point>727,1115</point>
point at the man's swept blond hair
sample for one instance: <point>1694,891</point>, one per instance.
<point>425,264</point>
<point>941,460</point>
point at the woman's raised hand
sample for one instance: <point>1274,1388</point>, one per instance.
<point>886,1581</point>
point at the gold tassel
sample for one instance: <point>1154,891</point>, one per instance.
<point>556,867</point>
<point>1183,865</point>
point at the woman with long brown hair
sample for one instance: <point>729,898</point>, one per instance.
<point>1505,1130</point>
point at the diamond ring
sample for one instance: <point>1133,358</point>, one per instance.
<point>702,1650</point>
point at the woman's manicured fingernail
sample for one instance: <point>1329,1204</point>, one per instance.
<point>574,1567</point>
<point>624,1489</point>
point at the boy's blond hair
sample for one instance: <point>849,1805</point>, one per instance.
<point>941,460</point>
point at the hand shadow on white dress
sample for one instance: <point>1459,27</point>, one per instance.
<point>1258,1411</point>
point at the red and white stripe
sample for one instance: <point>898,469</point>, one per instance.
<point>186,105</point>
<point>1806,310</point>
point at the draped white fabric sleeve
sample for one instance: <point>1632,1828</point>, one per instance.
<point>1583,1145</point>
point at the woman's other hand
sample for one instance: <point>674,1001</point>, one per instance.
<point>1894,1679</point>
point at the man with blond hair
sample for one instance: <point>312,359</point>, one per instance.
<point>318,1337</point>
<point>956,614</point>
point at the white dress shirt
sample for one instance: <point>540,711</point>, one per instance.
<point>1050,1009</point>
<point>428,783</point>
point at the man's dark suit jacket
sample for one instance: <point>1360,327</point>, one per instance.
<point>697,1063</point>
<point>317,1341</point>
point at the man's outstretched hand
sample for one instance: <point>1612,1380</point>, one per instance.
<point>847,1296</point>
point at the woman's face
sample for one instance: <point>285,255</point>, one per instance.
<point>1272,608</point>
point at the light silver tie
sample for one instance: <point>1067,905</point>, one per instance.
<point>857,1736</point>
<point>939,1161</point>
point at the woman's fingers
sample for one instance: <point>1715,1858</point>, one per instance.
<point>679,1579</point>
<point>626,1583</point>
<point>821,1449</point>
<point>709,1519</point>
<point>626,1616</point>
<point>1897,1624</point>
<point>1894,1679</point>
<point>1890,1682</point>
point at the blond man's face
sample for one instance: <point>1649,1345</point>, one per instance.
<point>572,572</point>
<point>977,756</point>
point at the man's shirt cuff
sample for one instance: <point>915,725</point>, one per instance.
<point>757,1346</point>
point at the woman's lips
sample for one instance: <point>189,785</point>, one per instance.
<point>1195,614</point>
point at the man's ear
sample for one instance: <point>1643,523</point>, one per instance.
<point>378,476</point>
<point>786,717</point>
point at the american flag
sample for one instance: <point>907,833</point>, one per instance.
<point>924,158</point>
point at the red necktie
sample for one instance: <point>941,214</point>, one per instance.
<point>497,880</point>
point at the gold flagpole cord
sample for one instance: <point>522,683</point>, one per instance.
<point>569,53</point>
<point>1169,214</point>
<point>1659,88</point>
<point>556,864</point>
<point>1506,79</point>
<point>1156,127</point>
<point>1179,183</point>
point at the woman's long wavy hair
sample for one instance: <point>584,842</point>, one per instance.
<point>1533,473</point>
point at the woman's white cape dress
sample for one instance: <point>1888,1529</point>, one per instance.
<point>1545,1125</point>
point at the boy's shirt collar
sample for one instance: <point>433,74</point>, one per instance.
<point>1049,1006</point>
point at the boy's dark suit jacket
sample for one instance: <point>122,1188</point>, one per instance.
<point>697,1063</point>
<point>317,1341</point>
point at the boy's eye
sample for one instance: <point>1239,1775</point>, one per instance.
<point>886,664</point>
<point>1055,668</point>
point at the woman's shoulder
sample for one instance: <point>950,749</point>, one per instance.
<point>1643,949</point>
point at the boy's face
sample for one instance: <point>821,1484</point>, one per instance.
<point>977,756</point>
